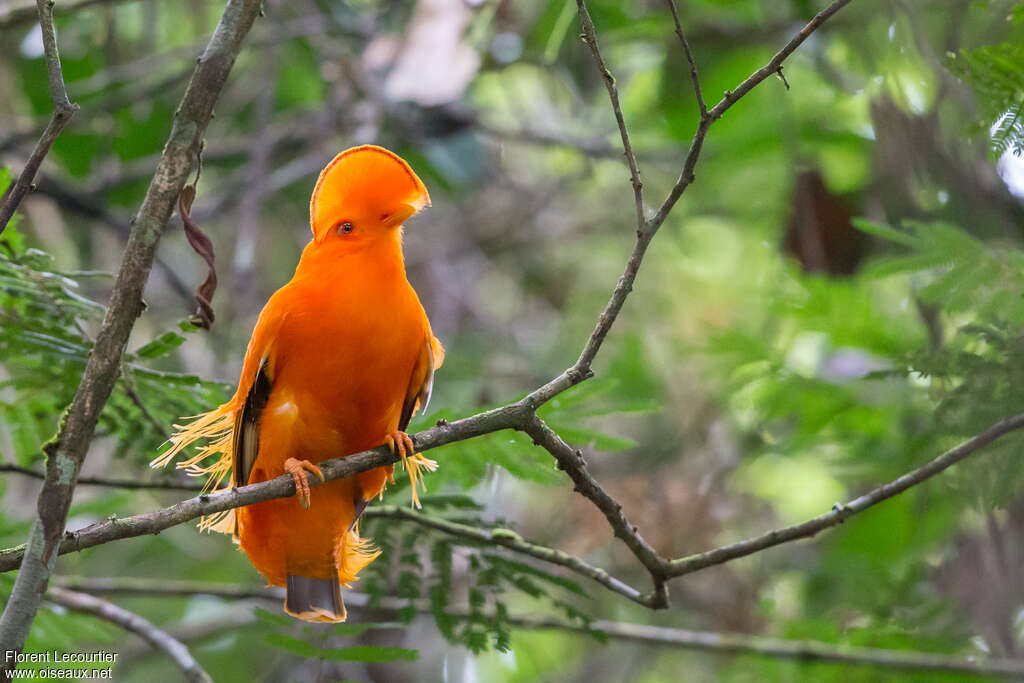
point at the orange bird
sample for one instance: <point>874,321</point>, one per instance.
<point>340,359</point>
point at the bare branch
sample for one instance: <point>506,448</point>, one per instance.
<point>511,540</point>
<point>689,58</point>
<point>841,512</point>
<point>589,37</point>
<point>774,65</point>
<point>111,483</point>
<point>686,639</point>
<point>67,450</point>
<point>779,648</point>
<point>63,111</point>
<point>571,461</point>
<point>158,638</point>
<point>731,97</point>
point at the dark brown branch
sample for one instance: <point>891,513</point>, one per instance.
<point>689,58</point>
<point>701,641</point>
<point>63,111</point>
<point>571,461</point>
<point>67,450</point>
<point>589,36</point>
<point>841,512</point>
<point>158,638</point>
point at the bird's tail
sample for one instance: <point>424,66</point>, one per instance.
<point>212,460</point>
<point>314,599</point>
<point>320,600</point>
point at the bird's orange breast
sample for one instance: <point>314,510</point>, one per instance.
<point>341,361</point>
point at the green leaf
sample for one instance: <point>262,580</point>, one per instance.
<point>161,346</point>
<point>886,232</point>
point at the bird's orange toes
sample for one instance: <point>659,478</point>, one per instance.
<point>298,469</point>
<point>399,442</point>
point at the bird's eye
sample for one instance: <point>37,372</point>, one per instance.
<point>345,227</point>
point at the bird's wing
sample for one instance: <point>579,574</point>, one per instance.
<point>421,384</point>
<point>254,388</point>
<point>247,425</point>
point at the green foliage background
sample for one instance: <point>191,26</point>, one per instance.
<point>736,393</point>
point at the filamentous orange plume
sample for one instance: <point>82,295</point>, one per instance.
<point>340,359</point>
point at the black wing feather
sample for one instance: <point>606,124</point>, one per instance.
<point>247,426</point>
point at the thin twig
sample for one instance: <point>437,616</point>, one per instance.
<point>687,639</point>
<point>731,97</point>
<point>26,12</point>
<point>589,36</point>
<point>511,540</point>
<point>158,638</point>
<point>841,512</point>
<point>803,651</point>
<point>63,111</point>
<point>111,483</point>
<point>689,58</point>
<point>67,450</point>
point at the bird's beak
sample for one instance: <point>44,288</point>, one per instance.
<point>400,215</point>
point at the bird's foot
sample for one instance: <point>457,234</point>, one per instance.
<point>298,469</point>
<point>401,443</point>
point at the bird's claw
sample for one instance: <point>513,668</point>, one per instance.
<point>298,469</point>
<point>399,442</point>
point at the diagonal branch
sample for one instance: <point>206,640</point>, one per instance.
<point>571,461</point>
<point>774,66</point>
<point>589,36</point>
<point>841,512</point>
<point>513,541</point>
<point>67,450</point>
<point>158,638</point>
<point>689,58</point>
<point>63,111</point>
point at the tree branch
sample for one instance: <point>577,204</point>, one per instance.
<point>589,37</point>
<point>63,111</point>
<point>26,12</point>
<point>67,450</point>
<point>571,461</point>
<point>779,648</point>
<point>689,58</point>
<point>841,512</point>
<point>158,638</point>
<point>731,97</point>
<point>511,540</point>
<point>111,483</point>
<point>701,641</point>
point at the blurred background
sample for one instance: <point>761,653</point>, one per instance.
<point>837,299</point>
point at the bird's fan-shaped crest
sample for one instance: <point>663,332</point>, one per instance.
<point>365,182</point>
